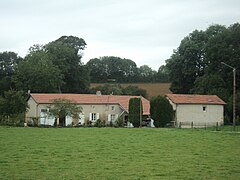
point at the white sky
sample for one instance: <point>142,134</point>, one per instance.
<point>145,31</point>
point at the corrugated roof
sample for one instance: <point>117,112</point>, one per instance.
<point>91,99</point>
<point>194,99</point>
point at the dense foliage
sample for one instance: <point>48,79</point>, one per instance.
<point>161,111</point>
<point>8,66</point>
<point>195,67</point>
<point>110,68</point>
<point>12,104</point>
<point>135,111</point>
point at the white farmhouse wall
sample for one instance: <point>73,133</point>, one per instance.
<point>194,113</point>
<point>104,110</point>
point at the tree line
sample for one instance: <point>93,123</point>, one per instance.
<point>110,68</point>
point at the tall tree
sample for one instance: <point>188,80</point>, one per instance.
<point>161,111</point>
<point>189,61</point>
<point>135,111</point>
<point>66,53</point>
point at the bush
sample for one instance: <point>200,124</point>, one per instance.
<point>119,122</point>
<point>98,123</point>
<point>13,120</point>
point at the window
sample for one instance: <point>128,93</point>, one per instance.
<point>113,108</point>
<point>113,116</point>
<point>204,108</point>
<point>44,110</point>
<point>94,117</point>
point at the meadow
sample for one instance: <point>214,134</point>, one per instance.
<point>118,153</point>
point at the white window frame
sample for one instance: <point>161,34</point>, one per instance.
<point>93,116</point>
<point>112,117</point>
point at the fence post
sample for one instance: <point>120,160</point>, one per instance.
<point>180,124</point>
<point>217,126</point>
<point>192,124</point>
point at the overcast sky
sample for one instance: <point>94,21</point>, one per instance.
<point>145,31</point>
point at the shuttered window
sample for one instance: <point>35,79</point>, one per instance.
<point>93,116</point>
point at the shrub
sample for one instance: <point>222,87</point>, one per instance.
<point>119,122</point>
<point>98,123</point>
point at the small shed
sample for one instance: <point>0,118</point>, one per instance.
<point>192,110</point>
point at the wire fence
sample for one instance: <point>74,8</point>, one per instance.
<point>214,126</point>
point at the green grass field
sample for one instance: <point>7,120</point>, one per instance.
<point>118,153</point>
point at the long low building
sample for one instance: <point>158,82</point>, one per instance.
<point>94,106</point>
<point>196,110</point>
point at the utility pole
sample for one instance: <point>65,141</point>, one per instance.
<point>140,119</point>
<point>234,93</point>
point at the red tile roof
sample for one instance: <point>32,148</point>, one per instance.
<point>91,99</point>
<point>194,99</point>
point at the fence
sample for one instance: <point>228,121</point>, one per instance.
<point>216,126</point>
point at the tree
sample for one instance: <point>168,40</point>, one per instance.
<point>38,74</point>
<point>97,70</point>
<point>66,54</point>
<point>211,84</point>
<point>189,61</point>
<point>161,111</point>
<point>8,65</point>
<point>60,108</point>
<point>135,111</point>
<point>12,103</point>
<point>146,74</point>
<point>110,67</point>
<point>163,74</point>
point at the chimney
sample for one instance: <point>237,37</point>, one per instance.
<point>98,93</point>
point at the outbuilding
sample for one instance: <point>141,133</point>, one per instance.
<point>191,110</point>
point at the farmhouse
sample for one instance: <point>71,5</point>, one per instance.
<point>94,107</point>
<point>196,110</point>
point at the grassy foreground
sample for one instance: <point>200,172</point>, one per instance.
<point>109,153</point>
